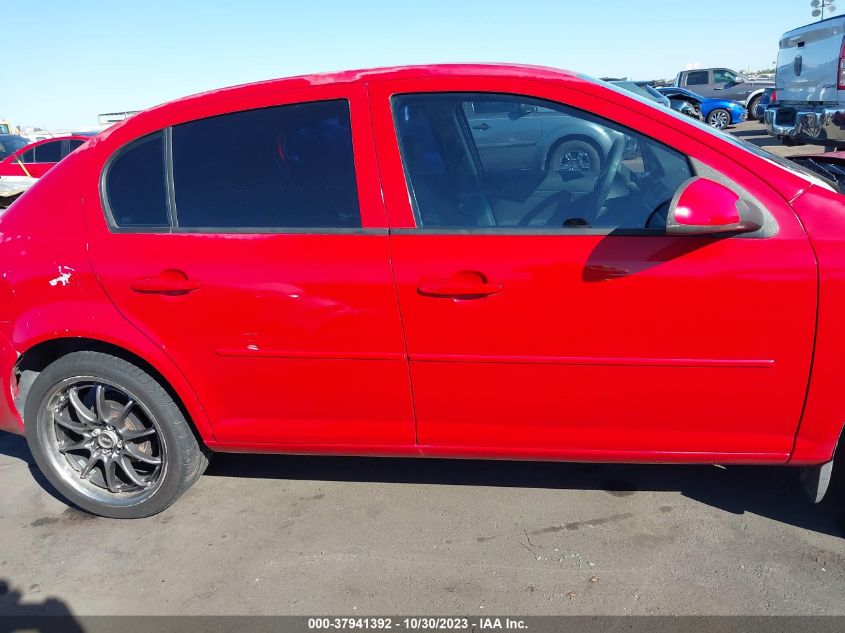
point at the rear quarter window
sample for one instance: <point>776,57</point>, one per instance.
<point>135,184</point>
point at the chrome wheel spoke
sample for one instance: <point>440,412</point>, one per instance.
<point>132,474</point>
<point>111,477</point>
<point>89,465</point>
<point>133,452</point>
<point>81,410</point>
<point>83,443</point>
<point>63,420</point>
<point>133,434</point>
<point>100,400</point>
<point>121,418</point>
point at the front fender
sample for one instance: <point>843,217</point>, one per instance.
<point>822,213</point>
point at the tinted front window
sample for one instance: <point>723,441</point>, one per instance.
<point>28,156</point>
<point>551,167</point>
<point>723,77</point>
<point>282,167</point>
<point>698,78</point>
<point>48,152</point>
<point>135,186</point>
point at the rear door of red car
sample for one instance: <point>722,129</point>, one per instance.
<point>263,270</point>
<point>35,161</point>
<point>538,328</point>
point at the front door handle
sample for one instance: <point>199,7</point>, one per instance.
<point>483,126</point>
<point>463,285</point>
<point>168,282</point>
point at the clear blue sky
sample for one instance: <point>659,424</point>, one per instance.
<point>68,60</point>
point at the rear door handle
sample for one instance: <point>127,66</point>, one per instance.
<point>464,285</point>
<point>168,282</point>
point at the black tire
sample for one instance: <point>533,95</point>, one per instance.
<point>752,108</point>
<point>719,118</point>
<point>147,409</point>
<point>575,155</point>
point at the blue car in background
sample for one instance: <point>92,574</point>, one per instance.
<point>717,113</point>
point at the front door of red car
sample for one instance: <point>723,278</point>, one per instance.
<point>547,312</point>
<point>263,270</point>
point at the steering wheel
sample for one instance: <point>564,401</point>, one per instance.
<point>604,181</point>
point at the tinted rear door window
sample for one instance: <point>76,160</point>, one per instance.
<point>698,78</point>
<point>282,167</point>
<point>48,152</point>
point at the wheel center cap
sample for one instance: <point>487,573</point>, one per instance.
<point>107,440</point>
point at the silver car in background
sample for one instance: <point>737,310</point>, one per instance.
<point>810,85</point>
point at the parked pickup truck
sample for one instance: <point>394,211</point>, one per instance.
<point>811,85</point>
<point>723,83</point>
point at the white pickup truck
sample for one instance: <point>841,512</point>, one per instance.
<point>810,86</point>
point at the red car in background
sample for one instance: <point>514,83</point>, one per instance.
<point>39,157</point>
<point>403,262</point>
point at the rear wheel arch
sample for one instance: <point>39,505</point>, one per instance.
<point>35,359</point>
<point>753,95</point>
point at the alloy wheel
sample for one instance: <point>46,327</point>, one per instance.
<point>103,440</point>
<point>719,120</point>
<point>575,160</point>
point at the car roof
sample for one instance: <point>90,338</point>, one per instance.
<point>299,82</point>
<point>396,72</point>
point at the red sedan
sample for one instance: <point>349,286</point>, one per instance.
<point>39,157</point>
<point>443,261</point>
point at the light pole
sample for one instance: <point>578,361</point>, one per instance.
<point>819,7</point>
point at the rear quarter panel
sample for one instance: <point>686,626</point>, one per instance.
<point>48,290</point>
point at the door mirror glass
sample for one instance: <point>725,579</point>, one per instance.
<point>703,207</point>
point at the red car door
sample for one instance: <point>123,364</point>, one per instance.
<point>548,314</point>
<point>262,268</point>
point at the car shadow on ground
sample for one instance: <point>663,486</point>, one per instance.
<point>46,616</point>
<point>771,492</point>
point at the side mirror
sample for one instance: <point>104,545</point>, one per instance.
<point>704,207</point>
